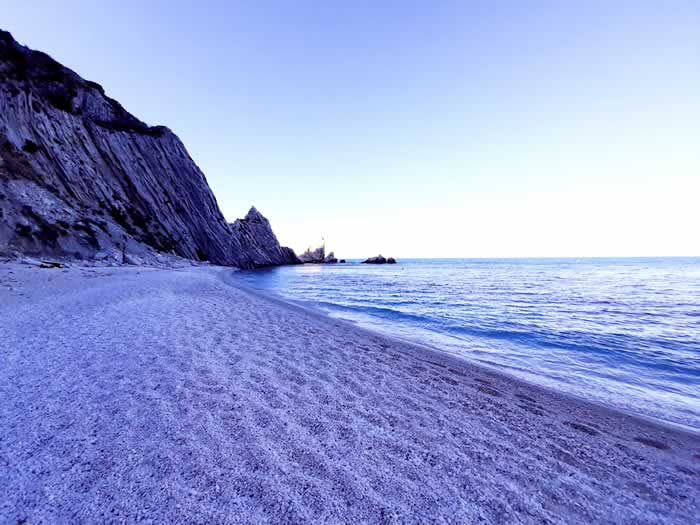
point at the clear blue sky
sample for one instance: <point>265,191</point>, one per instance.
<point>557,128</point>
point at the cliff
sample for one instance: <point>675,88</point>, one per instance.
<point>79,175</point>
<point>259,243</point>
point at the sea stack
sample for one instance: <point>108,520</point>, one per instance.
<point>316,256</point>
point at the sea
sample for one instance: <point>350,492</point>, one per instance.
<point>623,332</point>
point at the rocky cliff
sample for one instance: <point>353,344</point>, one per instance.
<point>79,175</point>
<point>259,243</point>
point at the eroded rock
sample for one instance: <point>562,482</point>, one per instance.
<point>80,176</point>
<point>316,256</point>
<point>260,246</point>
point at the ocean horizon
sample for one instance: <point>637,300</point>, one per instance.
<point>168,353</point>
<point>624,332</point>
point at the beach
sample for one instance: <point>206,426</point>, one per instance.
<point>134,394</point>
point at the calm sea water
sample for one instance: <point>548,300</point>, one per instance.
<point>625,332</point>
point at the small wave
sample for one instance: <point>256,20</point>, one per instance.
<point>597,327</point>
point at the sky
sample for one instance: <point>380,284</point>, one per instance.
<point>415,129</point>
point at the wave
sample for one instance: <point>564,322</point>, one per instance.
<point>620,330</point>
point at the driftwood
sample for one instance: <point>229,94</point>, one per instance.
<point>51,264</point>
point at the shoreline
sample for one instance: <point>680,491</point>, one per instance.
<point>173,395</point>
<point>455,360</point>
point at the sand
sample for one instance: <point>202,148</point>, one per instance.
<point>156,395</point>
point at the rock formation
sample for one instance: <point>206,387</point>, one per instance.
<point>316,256</point>
<point>379,260</point>
<point>81,176</point>
<point>258,242</point>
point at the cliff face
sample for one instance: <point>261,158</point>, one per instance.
<point>259,243</point>
<point>80,175</point>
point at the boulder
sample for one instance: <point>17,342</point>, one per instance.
<point>330,259</point>
<point>391,260</point>
<point>342,261</point>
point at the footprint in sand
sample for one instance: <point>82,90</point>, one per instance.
<point>581,428</point>
<point>488,390</point>
<point>526,398</point>
<point>653,443</point>
<point>532,410</point>
<point>686,470</point>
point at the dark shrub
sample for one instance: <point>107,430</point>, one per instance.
<point>138,219</point>
<point>120,218</point>
<point>28,211</point>
<point>30,146</point>
<point>168,244</point>
<point>96,86</point>
<point>23,230</point>
<point>48,233</point>
<point>132,125</point>
<point>61,100</point>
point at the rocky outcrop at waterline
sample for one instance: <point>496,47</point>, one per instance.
<point>379,260</point>
<point>259,243</point>
<point>316,256</point>
<point>80,176</point>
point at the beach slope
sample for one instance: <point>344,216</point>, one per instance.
<point>131,394</point>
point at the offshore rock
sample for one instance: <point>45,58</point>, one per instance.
<point>316,256</point>
<point>330,259</point>
<point>259,244</point>
<point>80,176</point>
<point>375,260</point>
<point>379,260</point>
